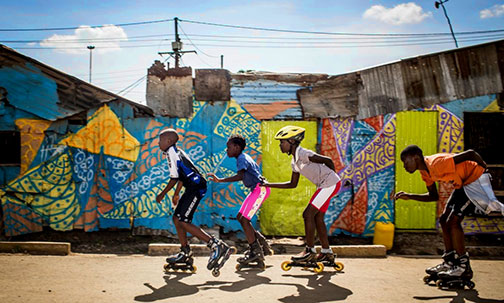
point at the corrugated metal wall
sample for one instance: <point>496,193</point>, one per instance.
<point>419,128</point>
<point>282,212</point>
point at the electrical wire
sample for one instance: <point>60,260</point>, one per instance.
<point>211,56</point>
<point>134,83</point>
<point>328,33</point>
<point>76,27</point>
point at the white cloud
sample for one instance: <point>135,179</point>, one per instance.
<point>404,13</point>
<point>105,39</point>
<point>495,11</point>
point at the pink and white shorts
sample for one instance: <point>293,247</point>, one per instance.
<point>322,196</point>
<point>254,200</point>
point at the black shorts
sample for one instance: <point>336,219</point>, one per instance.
<point>458,204</point>
<point>189,202</point>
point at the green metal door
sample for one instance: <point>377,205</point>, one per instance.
<point>282,212</point>
<point>419,128</point>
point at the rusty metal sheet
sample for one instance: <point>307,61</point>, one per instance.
<point>335,97</point>
<point>266,99</point>
<point>212,85</point>
<point>49,93</point>
<point>382,91</point>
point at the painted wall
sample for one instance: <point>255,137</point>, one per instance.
<point>364,152</point>
<point>108,172</point>
<point>282,212</point>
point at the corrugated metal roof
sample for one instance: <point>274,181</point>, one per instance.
<point>267,99</point>
<point>49,93</point>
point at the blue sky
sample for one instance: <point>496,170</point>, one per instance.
<point>116,65</point>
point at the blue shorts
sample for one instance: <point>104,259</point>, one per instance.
<point>189,202</point>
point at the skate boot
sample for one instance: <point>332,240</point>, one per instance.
<point>458,276</point>
<point>447,264</point>
<point>306,256</point>
<point>182,256</point>
<point>253,257</point>
<point>306,259</point>
<point>266,248</point>
<point>219,255</point>
<point>182,260</point>
<point>327,257</point>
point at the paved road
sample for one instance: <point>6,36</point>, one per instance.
<point>139,278</point>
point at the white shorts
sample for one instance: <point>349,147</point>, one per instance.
<point>481,194</point>
<point>322,196</point>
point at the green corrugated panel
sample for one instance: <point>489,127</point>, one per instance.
<point>419,128</point>
<point>282,212</point>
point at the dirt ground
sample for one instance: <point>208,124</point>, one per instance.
<point>127,242</point>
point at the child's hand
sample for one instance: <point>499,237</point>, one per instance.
<point>159,198</point>
<point>401,195</point>
<point>175,199</point>
<point>213,177</point>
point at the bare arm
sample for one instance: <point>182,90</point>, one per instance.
<point>175,198</point>
<point>168,187</point>
<point>237,177</point>
<point>432,195</point>
<point>323,160</point>
<point>469,155</point>
<point>291,184</point>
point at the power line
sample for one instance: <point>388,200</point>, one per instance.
<point>255,40</point>
<point>195,45</point>
<point>325,33</point>
<point>132,84</point>
<point>342,41</point>
<point>76,27</point>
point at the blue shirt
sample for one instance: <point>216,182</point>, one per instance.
<point>252,175</point>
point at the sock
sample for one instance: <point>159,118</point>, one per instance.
<point>326,251</point>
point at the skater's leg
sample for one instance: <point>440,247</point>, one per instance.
<point>457,234</point>
<point>309,220</point>
<point>248,229</point>
<point>181,232</point>
<point>321,229</point>
<point>445,228</point>
<point>195,231</point>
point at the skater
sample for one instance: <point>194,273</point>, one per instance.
<point>184,173</point>
<point>248,172</point>
<point>473,193</point>
<point>320,170</point>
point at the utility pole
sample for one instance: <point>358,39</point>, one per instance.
<point>90,47</point>
<point>221,61</point>
<point>437,4</point>
<point>177,47</point>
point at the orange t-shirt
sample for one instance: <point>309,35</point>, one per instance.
<point>442,168</point>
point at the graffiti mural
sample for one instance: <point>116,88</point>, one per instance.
<point>101,175</point>
<point>365,157</point>
<point>364,153</point>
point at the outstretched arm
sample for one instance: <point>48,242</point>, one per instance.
<point>432,195</point>
<point>469,155</point>
<point>237,177</point>
<point>291,184</point>
<point>323,160</point>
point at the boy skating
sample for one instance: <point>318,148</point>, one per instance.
<point>184,173</point>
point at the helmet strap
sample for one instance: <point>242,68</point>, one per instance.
<point>293,145</point>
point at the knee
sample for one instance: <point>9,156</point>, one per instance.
<point>454,222</point>
<point>308,215</point>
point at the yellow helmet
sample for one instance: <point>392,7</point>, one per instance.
<point>291,132</point>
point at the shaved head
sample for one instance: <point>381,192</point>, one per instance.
<point>167,137</point>
<point>170,133</point>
